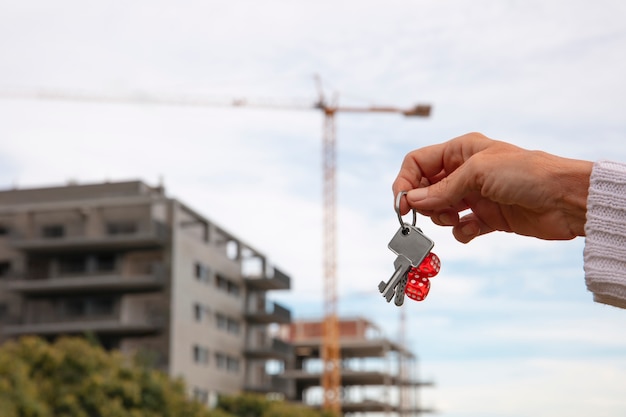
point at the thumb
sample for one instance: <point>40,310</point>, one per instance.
<point>449,192</point>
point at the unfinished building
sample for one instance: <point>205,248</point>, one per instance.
<point>377,375</point>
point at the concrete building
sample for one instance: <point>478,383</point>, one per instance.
<point>143,273</point>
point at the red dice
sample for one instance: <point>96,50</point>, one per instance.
<point>418,282</point>
<point>430,266</point>
<point>417,287</point>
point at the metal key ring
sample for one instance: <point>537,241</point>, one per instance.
<point>398,199</point>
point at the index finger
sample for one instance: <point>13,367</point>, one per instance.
<point>425,166</point>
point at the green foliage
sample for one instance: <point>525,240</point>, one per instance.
<point>253,405</point>
<point>281,409</point>
<point>74,378</point>
<point>244,405</point>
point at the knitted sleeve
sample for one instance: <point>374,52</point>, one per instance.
<point>605,230</point>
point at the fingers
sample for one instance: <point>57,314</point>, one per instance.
<point>465,228</point>
<point>447,194</point>
<point>469,227</point>
<point>434,165</point>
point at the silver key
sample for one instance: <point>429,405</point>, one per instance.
<point>389,288</point>
<point>411,246</point>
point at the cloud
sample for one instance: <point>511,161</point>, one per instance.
<point>536,386</point>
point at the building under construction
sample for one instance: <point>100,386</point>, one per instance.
<point>145,273</point>
<point>378,375</point>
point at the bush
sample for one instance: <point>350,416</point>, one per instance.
<point>73,378</point>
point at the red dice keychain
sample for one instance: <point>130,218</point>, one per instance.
<point>415,263</point>
<point>418,282</point>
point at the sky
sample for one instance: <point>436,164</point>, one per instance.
<point>508,329</point>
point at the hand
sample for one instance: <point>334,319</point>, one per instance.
<point>505,187</point>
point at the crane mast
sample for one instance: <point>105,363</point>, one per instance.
<point>331,377</point>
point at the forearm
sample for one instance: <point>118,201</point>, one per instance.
<point>605,229</point>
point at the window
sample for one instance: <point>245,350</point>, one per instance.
<point>226,323</point>
<point>122,228</point>
<point>220,360</point>
<point>232,364</point>
<point>88,306</point>
<point>202,273</point>
<point>201,395</point>
<point>99,306</point>
<point>233,289</point>
<point>104,262</point>
<point>226,362</point>
<point>5,268</point>
<point>226,285</point>
<point>233,326</point>
<point>75,264</point>
<point>53,231</point>
<point>200,312</point>
<point>200,355</point>
<point>74,308</point>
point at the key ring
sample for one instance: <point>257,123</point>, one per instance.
<point>398,199</point>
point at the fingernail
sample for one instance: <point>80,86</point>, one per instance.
<point>417,194</point>
<point>470,230</point>
<point>445,219</point>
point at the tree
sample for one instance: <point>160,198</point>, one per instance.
<point>254,405</point>
<point>73,378</point>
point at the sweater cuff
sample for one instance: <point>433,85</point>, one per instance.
<point>605,230</point>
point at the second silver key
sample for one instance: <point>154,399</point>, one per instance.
<point>397,281</point>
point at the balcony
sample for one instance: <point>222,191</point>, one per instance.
<point>269,348</point>
<point>354,377</point>
<point>111,327</point>
<point>270,384</point>
<point>266,312</point>
<point>277,280</point>
<point>154,235</point>
<point>90,282</point>
<point>131,318</point>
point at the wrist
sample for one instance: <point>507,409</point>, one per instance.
<point>574,191</point>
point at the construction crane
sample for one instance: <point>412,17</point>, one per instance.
<point>330,349</point>
<point>330,352</point>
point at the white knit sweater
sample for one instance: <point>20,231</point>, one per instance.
<point>605,229</point>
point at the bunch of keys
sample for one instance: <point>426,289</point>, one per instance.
<point>414,265</point>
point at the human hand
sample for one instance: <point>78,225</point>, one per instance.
<point>505,187</point>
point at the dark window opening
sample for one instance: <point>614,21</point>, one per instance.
<point>200,354</point>
<point>5,268</point>
<point>75,264</point>
<point>88,306</point>
<point>53,231</point>
<point>202,272</point>
<point>201,395</point>
<point>122,228</point>
<point>226,285</point>
<point>105,262</point>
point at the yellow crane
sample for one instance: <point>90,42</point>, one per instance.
<point>330,350</point>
